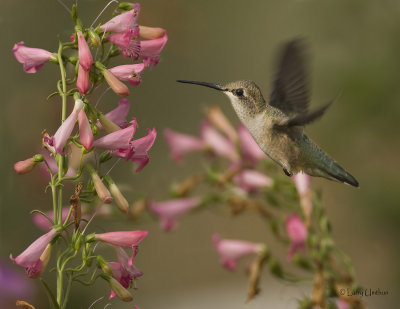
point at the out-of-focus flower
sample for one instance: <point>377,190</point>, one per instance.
<point>302,183</point>
<point>115,84</point>
<point>118,115</point>
<point>34,259</point>
<point>117,140</point>
<point>101,190</point>
<point>127,42</point>
<point>181,144</point>
<point>297,233</point>
<point>125,270</point>
<point>33,59</point>
<point>23,167</point>
<point>122,22</point>
<point>342,304</point>
<point>251,151</point>
<point>231,251</point>
<point>83,81</point>
<point>218,143</point>
<point>251,180</point>
<point>128,239</point>
<point>169,211</point>
<point>85,56</point>
<point>85,132</point>
<point>218,119</point>
<point>151,49</point>
<point>129,72</point>
<point>59,139</point>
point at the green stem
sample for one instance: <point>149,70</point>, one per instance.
<point>50,294</point>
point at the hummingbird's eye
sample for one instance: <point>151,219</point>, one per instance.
<point>239,92</point>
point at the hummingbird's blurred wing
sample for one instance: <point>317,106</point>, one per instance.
<point>290,91</point>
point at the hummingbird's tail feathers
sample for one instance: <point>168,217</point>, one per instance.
<point>307,117</point>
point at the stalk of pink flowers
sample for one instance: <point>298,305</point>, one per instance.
<point>33,59</point>
<point>169,211</point>
<point>181,144</point>
<point>127,239</point>
<point>297,233</point>
<point>35,257</point>
<point>23,167</point>
<point>231,251</point>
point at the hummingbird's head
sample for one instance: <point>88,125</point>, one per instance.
<point>245,95</point>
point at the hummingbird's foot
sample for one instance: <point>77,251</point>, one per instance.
<point>287,172</point>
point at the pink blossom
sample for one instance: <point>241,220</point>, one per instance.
<point>118,139</point>
<point>169,211</point>
<point>231,251</point>
<point>127,239</point>
<point>118,115</point>
<point>181,144</point>
<point>54,167</point>
<point>33,59</point>
<point>302,183</point>
<point>342,304</point>
<point>218,143</point>
<point>123,21</point>
<point>85,56</point>
<point>251,151</point>
<point>34,258</point>
<point>83,81</point>
<point>59,139</point>
<point>150,49</point>
<point>85,132</point>
<point>297,233</point>
<point>23,167</point>
<point>43,223</point>
<point>115,84</point>
<point>125,270</point>
<point>129,72</point>
<point>251,180</point>
<point>127,42</point>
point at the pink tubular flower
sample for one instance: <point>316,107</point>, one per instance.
<point>127,239</point>
<point>117,86</point>
<point>342,304</point>
<point>181,144</point>
<point>218,143</point>
<point>231,251</point>
<point>151,49</point>
<point>43,223</point>
<point>251,180</point>
<point>169,211</point>
<point>33,59</point>
<point>85,56</point>
<point>36,256</point>
<point>118,115</point>
<point>125,270</point>
<point>85,132</point>
<point>59,139</point>
<point>127,42</point>
<point>83,81</point>
<point>297,232</point>
<point>251,151</point>
<point>118,139</point>
<point>302,183</point>
<point>129,72</point>
<point>23,167</point>
<point>123,21</point>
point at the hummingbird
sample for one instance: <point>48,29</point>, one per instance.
<point>277,126</point>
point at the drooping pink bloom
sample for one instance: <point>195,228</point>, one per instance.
<point>59,139</point>
<point>85,56</point>
<point>297,233</point>
<point>115,84</point>
<point>342,304</point>
<point>181,144</point>
<point>23,167</point>
<point>125,270</point>
<point>302,183</point>
<point>118,115</point>
<point>127,42</point>
<point>85,132</point>
<point>129,72</point>
<point>43,223</point>
<point>251,151</point>
<point>83,81</point>
<point>54,167</point>
<point>123,21</point>
<point>34,258</point>
<point>151,49</point>
<point>128,239</point>
<point>137,151</point>
<point>251,180</point>
<point>118,139</point>
<point>218,143</point>
<point>231,251</point>
<point>33,59</point>
<point>169,211</point>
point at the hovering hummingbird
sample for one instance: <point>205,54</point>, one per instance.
<point>278,126</point>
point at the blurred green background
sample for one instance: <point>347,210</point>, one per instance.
<point>355,48</point>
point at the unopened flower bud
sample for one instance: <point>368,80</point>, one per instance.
<point>90,238</point>
<point>115,84</point>
<point>105,156</point>
<point>126,6</point>
<point>108,125</point>
<point>118,289</point>
<point>24,167</point>
<point>99,186</point>
<point>119,199</point>
<point>151,33</point>
<point>105,267</point>
<point>138,208</point>
<point>24,305</point>
<point>94,38</point>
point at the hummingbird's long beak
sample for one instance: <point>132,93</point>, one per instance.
<point>211,85</point>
